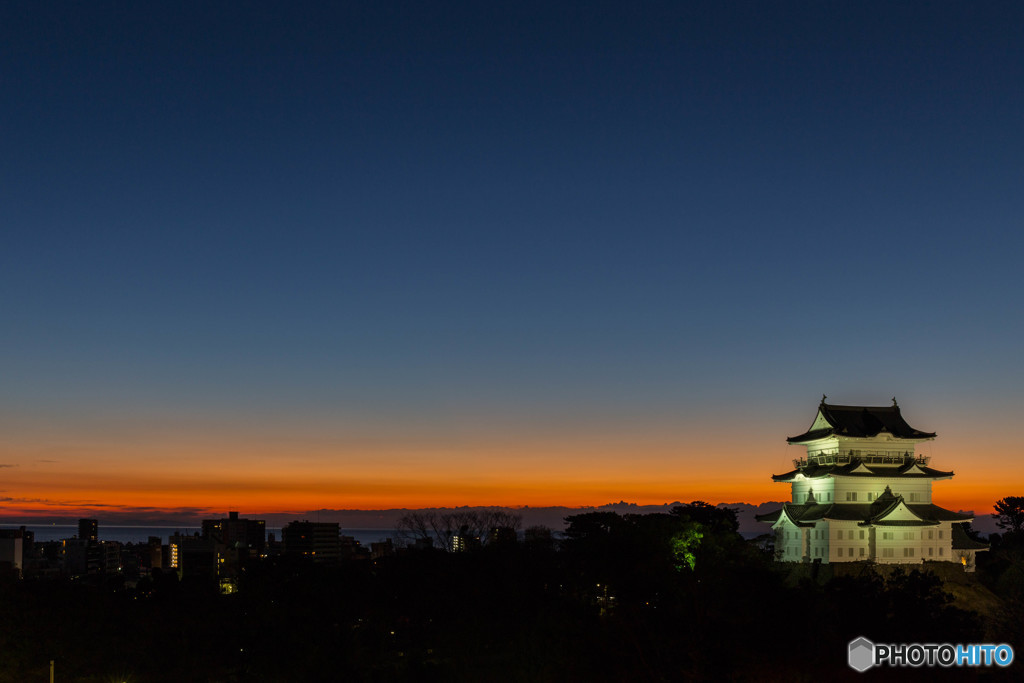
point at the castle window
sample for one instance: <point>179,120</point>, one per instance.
<point>862,552</point>
<point>887,552</point>
<point>871,497</point>
<point>851,496</point>
<point>941,552</point>
<point>908,535</point>
<point>931,534</point>
<point>940,534</point>
<point>886,535</point>
<point>931,551</point>
<point>849,534</point>
<point>850,553</point>
<point>862,534</point>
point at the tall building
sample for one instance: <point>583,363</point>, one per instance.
<point>88,530</point>
<point>12,550</point>
<point>192,555</point>
<point>237,532</point>
<point>319,541</point>
<point>862,493</point>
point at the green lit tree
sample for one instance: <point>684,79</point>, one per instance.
<point>685,545</point>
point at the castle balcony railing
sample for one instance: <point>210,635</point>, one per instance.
<point>866,458</point>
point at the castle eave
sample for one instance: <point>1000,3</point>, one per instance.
<point>859,470</point>
<point>866,514</point>
<point>859,422</point>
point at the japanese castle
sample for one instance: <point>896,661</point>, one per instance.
<point>861,493</point>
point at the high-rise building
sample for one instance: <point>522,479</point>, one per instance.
<point>237,532</point>
<point>861,493</point>
<point>12,550</point>
<point>192,555</point>
<point>88,530</point>
<point>319,541</point>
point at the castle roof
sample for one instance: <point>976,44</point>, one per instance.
<point>961,541</point>
<point>887,510</point>
<point>859,421</point>
<point>910,469</point>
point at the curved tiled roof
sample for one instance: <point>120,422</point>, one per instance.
<point>961,541</point>
<point>868,514</point>
<point>861,421</point>
<point>908,470</point>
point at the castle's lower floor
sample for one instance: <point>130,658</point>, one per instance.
<point>823,535</point>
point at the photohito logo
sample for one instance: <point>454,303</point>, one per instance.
<point>863,654</point>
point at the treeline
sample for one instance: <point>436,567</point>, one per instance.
<point>675,596</point>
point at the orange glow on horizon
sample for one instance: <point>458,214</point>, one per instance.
<point>79,474</point>
<point>284,497</point>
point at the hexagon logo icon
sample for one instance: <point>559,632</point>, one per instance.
<point>862,654</point>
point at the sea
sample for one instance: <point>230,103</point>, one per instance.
<point>141,534</point>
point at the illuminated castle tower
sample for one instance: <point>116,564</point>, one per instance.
<point>861,493</point>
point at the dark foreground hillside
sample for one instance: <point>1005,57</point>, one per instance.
<point>648,597</point>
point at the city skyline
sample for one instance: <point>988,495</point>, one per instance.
<point>292,258</point>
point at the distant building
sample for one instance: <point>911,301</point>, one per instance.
<point>88,530</point>
<point>28,540</point>
<point>464,540</point>
<point>193,555</point>
<point>379,549</point>
<point>351,549</point>
<point>153,554</point>
<point>319,541</point>
<point>81,557</point>
<point>861,493</point>
<point>74,556</point>
<point>12,550</point>
<point>502,536</point>
<point>237,532</point>
<point>424,543</point>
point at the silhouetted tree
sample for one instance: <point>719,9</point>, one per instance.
<point>1010,513</point>
<point>710,516</point>
<point>473,528</point>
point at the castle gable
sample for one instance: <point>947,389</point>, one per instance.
<point>859,422</point>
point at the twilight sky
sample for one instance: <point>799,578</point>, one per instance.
<point>296,256</point>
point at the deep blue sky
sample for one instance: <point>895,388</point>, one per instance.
<point>522,217</point>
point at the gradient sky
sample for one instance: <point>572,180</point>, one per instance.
<point>292,256</point>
